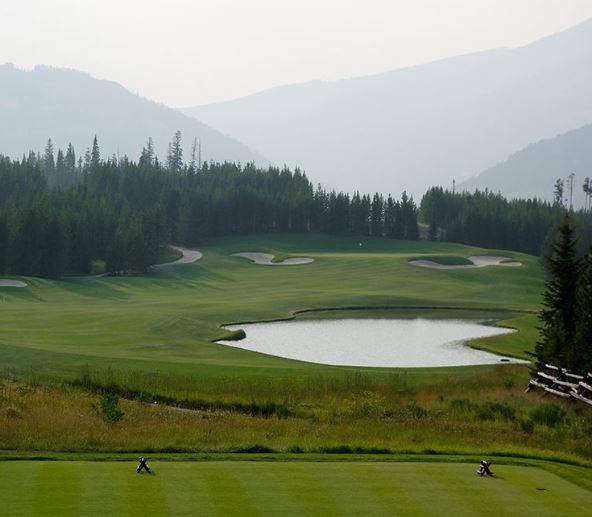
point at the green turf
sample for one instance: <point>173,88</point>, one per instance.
<point>167,321</point>
<point>284,488</point>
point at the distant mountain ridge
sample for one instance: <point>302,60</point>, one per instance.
<point>532,172</point>
<point>416,127</point>
<point>71,106</point>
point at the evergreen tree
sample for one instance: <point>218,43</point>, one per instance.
<point>147,156</point>
<point>193,161</point>
<point>582,356</point>
<point>95,155</point>
<point>376,216</point>
<point>558,317</point>
<point>175,154</point>
<point>70,166</point>
<point>60,170</point>
<point>87,159</point>
<point>49,163</point>
<point>558,193</point>
<point>3,242</point>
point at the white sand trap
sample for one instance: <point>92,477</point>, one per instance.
<point>12,283</point>
<point>477,261</point>
<point>266,259</point>
<point>188,257</point>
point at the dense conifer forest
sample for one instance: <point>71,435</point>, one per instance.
<point>58,215</point>
<point>489,220</point>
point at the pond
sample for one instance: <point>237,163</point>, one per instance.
<point>373,342</point>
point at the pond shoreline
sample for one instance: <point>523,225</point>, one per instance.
<point>387,342</point>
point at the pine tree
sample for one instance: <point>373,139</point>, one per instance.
<point>583,349</point>
<point>376,216</point>
<point>70,166</point>
<point>559,314</point>
<point>87,159</point>
<point>175,154</point>
<point>95,155</point>
<point>193,162</point>
<point>147,156</point>
<point>558,193</point>
<point>49,163</point>
<point>60,170</point>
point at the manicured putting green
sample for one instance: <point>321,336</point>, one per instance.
<point>283,488</point>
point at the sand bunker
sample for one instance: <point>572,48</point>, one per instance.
<point>188,257</point>
<point>266,259</point>
<point>12,283</point>
<point>477,261</point>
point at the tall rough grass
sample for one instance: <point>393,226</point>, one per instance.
<point>485,414</point>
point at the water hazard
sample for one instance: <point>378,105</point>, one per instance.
<point>373,342</point>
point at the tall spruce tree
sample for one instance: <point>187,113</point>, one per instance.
<point>147,156</point>
<point>95,154</point>
<point>559,315</point>
<point>70,165</point>
<point>583,349</point>
<point>175,154</point>
<point>60,170</point>
<point>49,163</point>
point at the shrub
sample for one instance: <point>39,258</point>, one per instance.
<point>491,410</point>
<point>461,405</point>
<point>527,425</point>
<point>416,411</point>
<point>109,406</point>
<point>12,412</point>
<point>548,414</point>
<point>234,335</point>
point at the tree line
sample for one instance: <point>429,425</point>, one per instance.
<point>489,220</point>
<point>58,215</point>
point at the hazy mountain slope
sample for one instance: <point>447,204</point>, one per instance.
<point>532,172</point>
<point>423,125</point>
<point>70,106</point>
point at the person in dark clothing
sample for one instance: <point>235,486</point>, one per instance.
<point>143,464</point>
<point>484,468</point>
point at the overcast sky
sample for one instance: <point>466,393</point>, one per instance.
<point>189,52</point>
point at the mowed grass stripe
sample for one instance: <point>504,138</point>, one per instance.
<point>16,487</point>
<point>222,491</point>
<point>275,488</point>
<point>400,496</point>
<point>103,488</point>
<point>293,489</point>
<point>351,496</point>
<point>57,489</point>
<point>187,491</point>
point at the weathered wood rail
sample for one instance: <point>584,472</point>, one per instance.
<point>561,383</point>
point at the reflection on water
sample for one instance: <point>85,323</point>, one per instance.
<point>372,342</point>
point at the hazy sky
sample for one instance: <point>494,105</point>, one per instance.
<point>188,52</point>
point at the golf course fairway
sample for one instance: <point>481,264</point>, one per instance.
<point>151,342</point>
<point>283,488</point>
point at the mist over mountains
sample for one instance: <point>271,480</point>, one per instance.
<point>71,106</point>
<point>425,125</point>
<point>511,120</point>
<point>532,171</point>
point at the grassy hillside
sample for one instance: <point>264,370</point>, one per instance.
<point>166,322</point>
<point>149,339</point>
